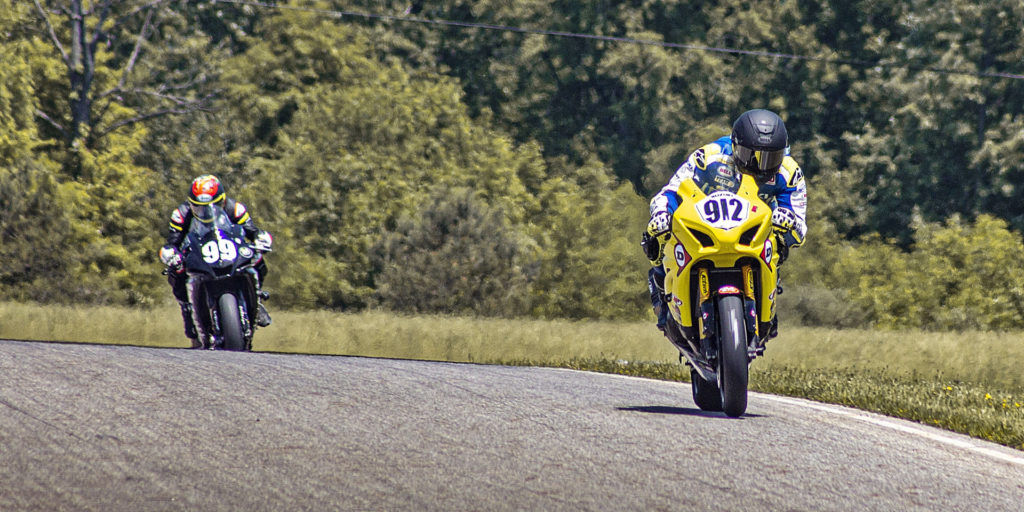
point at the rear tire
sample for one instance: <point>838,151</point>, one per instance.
<point>732,356</point>
<point>230,323</point>
<point>705,394</point>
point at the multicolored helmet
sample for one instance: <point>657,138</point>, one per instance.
<point>205,192</point>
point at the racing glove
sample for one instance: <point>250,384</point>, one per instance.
<point>660,223</point>
<point>263,241</point>
<point>783,219</point>
<point>170,256</point>
<point>783,222</point>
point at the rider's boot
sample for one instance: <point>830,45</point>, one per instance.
<point>655,284</point>
<point>262,317</point>
<point>773,327</point>
<point>662,313</point>
<point>190,328</point>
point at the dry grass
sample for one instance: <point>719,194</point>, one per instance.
<point>985,358</point>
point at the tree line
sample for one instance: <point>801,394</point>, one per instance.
<point>428,167</point>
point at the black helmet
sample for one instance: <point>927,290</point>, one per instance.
<point>759,141</point>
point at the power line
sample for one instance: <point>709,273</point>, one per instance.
<point>627,40</point>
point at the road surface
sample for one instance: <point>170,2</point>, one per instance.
<point>108,428</point>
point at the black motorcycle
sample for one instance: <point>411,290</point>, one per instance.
<point>222,282</point>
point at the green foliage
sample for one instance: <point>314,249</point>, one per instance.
<point>337,131</point>
<point>890,137</point>
<point>18,135</point>
<point>820,306</point>
<point>35,233</point>
<point>592,266</point>
<point>975,273</point>
<point>34,237</point>
<point>455,256</point>
<point>78,122</point>
<point>114,221</point>
<point>957,275</point>
<point>349,146</point>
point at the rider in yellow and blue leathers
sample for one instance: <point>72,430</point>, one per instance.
<point>758,146</point>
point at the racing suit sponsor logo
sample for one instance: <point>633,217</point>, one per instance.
<point>799,199</point>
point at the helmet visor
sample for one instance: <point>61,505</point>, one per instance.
<point>203,212</point>
<point>759,162</point>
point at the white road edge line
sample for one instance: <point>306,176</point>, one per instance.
<point>872,418</point>
<point>902,427</point>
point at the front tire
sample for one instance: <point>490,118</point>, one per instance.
<point>230,322</point>
<point>732,356</point>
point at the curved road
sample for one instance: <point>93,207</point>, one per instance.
<point>94,427</point>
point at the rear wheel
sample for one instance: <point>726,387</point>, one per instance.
<point>732,356</point>
<point>230,322</point>
<point>705,394</point>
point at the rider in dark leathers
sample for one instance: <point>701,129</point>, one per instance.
<point>207,190</point>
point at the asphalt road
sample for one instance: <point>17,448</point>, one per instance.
<point>108,428</point>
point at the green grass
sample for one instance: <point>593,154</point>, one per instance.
<point>965,382</point>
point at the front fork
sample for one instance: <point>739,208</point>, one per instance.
<point>197,298</point>
<point>706,315</point>
<point>708,325</point>
<point>754,345</point>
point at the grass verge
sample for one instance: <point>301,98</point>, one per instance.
<point>972,409</point>
<point>965,382</point>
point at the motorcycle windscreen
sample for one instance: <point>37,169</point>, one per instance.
<point>717,176</point>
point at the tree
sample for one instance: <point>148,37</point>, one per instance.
<point>456,255</point>
<point>36,242</point>
<point>36,245</point>
<point>919,147</point>
<point>591,265</point>
<point>943,281</point>
<point>337,147</point>
<point>104,89</point>
<point>93,123</point>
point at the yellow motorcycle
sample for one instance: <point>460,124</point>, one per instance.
<point>721,274</point>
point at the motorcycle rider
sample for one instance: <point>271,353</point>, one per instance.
<point>759,147</point>
<point>207,190</point>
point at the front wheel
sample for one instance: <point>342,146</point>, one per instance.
<point>230,322</point>
<point>732,356</point>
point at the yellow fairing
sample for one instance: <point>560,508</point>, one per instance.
<point>746,233</point>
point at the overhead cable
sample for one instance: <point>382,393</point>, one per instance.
<point>627,40</point>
